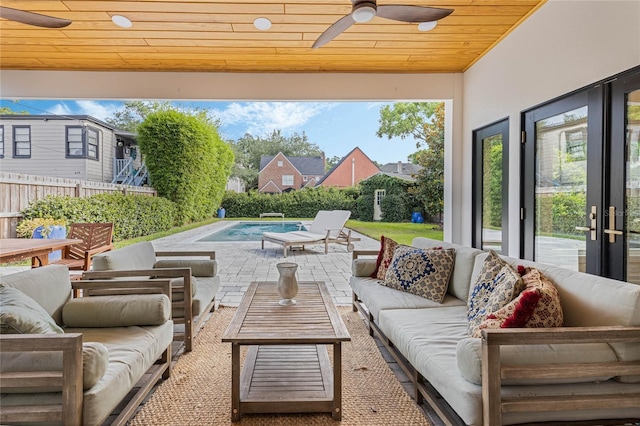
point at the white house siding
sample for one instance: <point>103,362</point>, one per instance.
<point>564,46</point>
<point>102,170</point>
<point>47,150</point>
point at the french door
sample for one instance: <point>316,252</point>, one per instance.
<point>581,180</point>
<point>490,228</point>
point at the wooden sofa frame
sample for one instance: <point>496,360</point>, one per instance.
<point>190,327</point>
<point>493,372</point>
<point>69,379</point>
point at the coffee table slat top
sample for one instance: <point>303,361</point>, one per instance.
<point>260,319</point>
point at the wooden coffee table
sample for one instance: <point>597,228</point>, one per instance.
<point>287,368</point>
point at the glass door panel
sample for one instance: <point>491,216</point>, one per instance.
<point>492,193</point>
<point>632,188</point>
<point>561,189</point>
<point>490,187</point>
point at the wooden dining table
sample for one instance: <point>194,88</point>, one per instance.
<point>16,249</point>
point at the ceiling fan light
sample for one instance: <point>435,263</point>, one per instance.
<point>262,24</point>
<point>364,12</point>
<point>427,26</point>
<point>121,21</point>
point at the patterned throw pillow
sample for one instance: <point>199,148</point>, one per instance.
<point>423,272</point>
<point>387,246</point>
<point>496,286</point>
<point>537,306</point>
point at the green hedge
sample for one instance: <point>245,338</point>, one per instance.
<point>303,203</point>
<point>397,205</point>
<point>567,210</point>
<point>132,215</point>
<point>187,160</point>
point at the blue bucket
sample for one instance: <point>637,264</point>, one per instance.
<point>57,232</point>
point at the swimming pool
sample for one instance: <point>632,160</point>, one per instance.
<point>250,231</point>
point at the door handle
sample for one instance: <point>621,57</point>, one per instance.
<point>612,225</point>
<point>593,216</point>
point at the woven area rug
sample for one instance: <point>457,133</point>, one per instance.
<point>199,390</point>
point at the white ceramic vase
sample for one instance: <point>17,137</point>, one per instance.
<point>287,283</point>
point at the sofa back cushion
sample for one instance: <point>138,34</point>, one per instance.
<point>49,286</point>
<point>136,256</point>
<point>463,265</point>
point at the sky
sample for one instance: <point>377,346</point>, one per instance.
<point>336,127</point>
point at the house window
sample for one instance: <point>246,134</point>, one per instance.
<point>1,141</point>
<point>304,178</point>
<point>280,163</point>
<point>81,142</point>
<point>287,180</point>
<point>22,141</point>
<point>74,142</point>
<point>92,144</point>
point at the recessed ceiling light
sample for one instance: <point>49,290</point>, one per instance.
<point>427,26</point>
<point>121,21</point>
<point>262,24</point>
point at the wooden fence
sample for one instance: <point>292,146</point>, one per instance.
<point>18,190</point>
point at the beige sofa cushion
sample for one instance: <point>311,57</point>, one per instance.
<point>117,311</point>
<point>50,287</point>
<point>378,297</point>
<point>95,360</point>
<point>469,359</point>
<point>20,314</point>
<point>363,267</point>
<point>199,267</point>
<point>136,256</point>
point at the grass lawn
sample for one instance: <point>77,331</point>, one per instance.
<point>403,232</point>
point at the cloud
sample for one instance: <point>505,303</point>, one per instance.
<point>260,118</point>
<point>95,109</point>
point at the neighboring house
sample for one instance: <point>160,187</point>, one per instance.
<point>406,171</point>
<point>70,146</point>
<point>280,173</point>
<point>350,170</point>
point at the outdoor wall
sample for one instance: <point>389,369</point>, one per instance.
<point>351,171</point>
<point>564,46</point>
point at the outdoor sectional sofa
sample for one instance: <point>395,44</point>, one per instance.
<point>589,368</point>
<point>72,361</point>
<point>194,285</point>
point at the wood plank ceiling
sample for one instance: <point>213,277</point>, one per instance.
<point>219,35</point>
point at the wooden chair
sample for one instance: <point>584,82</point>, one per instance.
<point>96,238</point>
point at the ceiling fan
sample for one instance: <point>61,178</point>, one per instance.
<point>31,18</point>
<point>366,10</point>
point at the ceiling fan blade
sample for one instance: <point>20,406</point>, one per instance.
<point>333,31</point>
<point>405,13</point>
<point>31,18</point>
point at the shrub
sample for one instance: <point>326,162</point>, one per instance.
<point>132,215</point>
<point>398,208</point>
<point>302,203</point>
<point>26,227</point>
<point>188,162</point>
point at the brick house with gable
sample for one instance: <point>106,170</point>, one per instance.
<point>350,170</point>
<point>280,173</point>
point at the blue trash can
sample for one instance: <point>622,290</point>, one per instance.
<point>57,232</point>
<point>221,213</point>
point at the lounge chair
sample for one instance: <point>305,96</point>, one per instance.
<point>327,227</point>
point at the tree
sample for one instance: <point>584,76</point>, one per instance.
<point>331,163</point>
<point>135,112</point>
<point>9,111</point>
<point>424,121</point>
<point>249,149</point>
<point>187,160</point>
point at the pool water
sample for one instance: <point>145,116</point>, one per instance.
<point>250,231</point>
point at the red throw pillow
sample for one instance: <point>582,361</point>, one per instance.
<point>385,255</point>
